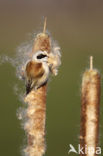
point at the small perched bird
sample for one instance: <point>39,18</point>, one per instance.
<point>37,71</point>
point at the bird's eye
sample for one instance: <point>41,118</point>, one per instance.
<point>41,56</point>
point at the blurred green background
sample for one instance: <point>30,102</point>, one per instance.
<point>77,25</point>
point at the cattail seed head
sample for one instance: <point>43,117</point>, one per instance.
<point>42,42</point>
<point>90,103</point>
<point>36,97</point>
<point>35,125</point>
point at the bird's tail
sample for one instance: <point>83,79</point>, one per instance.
<point>29,87</point>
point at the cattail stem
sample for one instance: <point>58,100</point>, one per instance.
<point>90,103</point>
<point>36,111</point>
<point>44,28</point>
<point>91,62</point>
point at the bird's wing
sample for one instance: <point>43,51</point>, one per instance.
<point>33,72</point>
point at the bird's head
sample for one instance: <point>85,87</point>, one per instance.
<point>40,56</point>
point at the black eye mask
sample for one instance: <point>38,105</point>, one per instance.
<point>41,56</point>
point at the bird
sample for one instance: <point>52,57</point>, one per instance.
<point>37,71</point>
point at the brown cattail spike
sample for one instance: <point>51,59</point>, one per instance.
<point>35,126</point>
<point>36,111</point>
<point>42,41</point>
<point>90,103</point>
